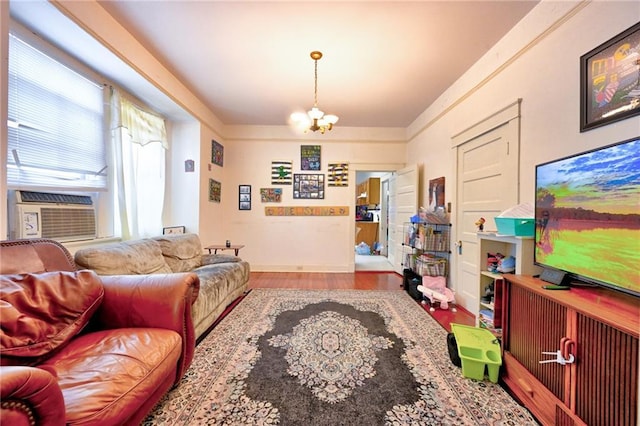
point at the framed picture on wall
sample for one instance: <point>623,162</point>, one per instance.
<point>215,191</point>
<point>169,230</point>
<point>244,197</point>
<point>270,195</point>
<point>310,157</point>
<point>217,153</point>
<point>338,174</point>
<point>308,186</point>
<point>281,172</point>
<point>436,194</point>
<point>610,80</point>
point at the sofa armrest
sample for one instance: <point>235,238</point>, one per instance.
<point>30,396</point>
<point>156,300</point>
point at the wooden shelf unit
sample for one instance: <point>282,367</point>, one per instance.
<point>519,247</point>
<point>425,251</point>
<point>598,326</point>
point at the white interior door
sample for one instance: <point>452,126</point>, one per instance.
<point>403,202</point>
<point>487,175</point>
<point>384,214</point>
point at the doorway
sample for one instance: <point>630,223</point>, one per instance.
<point>372,221</point>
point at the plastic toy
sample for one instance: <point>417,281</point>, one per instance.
<point>435,289</point>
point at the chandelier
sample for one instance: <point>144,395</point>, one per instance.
<point>315,119</point>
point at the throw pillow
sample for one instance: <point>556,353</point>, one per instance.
<point>41,312</point>
<point>182,252</point>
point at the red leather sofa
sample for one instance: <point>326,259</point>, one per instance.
<point>78,348</point>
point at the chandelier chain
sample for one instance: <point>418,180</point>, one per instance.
<point>315,87</point>
<point>315,119</point>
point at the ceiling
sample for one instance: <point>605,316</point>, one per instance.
<point>384,62</point>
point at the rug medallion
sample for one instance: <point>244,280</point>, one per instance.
<point>321,357</point>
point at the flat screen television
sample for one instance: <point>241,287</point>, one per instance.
<point>587,214</point>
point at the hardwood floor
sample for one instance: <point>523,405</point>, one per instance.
<point>368,280</point>
<point>322,281</point>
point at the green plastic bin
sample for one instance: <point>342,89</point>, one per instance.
<point>478,349</point>
<point>515,226</point>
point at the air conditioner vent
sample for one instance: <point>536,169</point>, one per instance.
<point>68,223</point>
<point>47,197</point>
<point>62,217</point>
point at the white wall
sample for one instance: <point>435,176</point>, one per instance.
<point>182,199</point>
<point>293,243</point>
<point>212,223</point>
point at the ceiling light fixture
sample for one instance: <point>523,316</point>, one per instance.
<point>315,119</point>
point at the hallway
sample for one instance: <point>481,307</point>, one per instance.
<point>372,263</point>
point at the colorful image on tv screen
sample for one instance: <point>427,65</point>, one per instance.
<point>588,215</point>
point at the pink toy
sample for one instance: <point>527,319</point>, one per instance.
<point>436,290</point>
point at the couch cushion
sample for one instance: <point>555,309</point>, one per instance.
<point>219,284</point>
<point>137,257</point>
<point>107,376</point>
<point>182,252</point>
<point>42,312</point>
<point>212,259</point>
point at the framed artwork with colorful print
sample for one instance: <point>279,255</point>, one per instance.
<point>217,153</point>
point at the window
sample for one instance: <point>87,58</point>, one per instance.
<point>67,133</point>
<point>56,126</point>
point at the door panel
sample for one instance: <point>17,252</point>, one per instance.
<point>384,215</point>
<point>487,184</point>
<point>404,191</point>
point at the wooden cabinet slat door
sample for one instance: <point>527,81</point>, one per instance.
<point>601,386</point>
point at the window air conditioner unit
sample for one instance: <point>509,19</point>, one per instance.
<point>61,217</point>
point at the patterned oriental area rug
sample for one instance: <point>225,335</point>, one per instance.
<point>331,357</point>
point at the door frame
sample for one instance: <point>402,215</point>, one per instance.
<point>363,167</point>
<point>508,116</point>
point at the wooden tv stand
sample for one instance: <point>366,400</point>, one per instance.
<point>597,327</point>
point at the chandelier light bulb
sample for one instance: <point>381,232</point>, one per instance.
<point>331,118</point>
<point>315,113</point>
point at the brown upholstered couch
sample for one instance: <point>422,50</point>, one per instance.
<point>77,348</point>
<point>223,278</point>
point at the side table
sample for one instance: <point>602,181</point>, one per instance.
<point>222,247</point>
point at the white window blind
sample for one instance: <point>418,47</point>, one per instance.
<point>56,135</point>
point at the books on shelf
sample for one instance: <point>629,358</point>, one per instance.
<point>486,320</point>
<point>428,264</point>
<point>486,315</point>
<point>427,237</point>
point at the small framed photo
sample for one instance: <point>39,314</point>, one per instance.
<point>173,230</point>
<point>610,81</point>
<point>215,190</point>
<point>217,153</point>
<point>244,197</point>
<point>271,195</point>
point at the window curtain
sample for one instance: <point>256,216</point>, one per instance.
<point>139,145</point>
